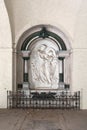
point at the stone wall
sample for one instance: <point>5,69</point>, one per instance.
<point>70,16</point>
<point>5,56</point>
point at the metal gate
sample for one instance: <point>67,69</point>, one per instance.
<point>61,100</point>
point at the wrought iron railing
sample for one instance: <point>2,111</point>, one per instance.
<point>61,100</point>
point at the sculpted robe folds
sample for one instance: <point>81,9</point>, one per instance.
<point>43,65</point>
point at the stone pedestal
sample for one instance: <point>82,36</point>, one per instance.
<point>26,89</point>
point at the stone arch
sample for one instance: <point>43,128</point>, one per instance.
<point>50,28</point>
<point>29,37</point>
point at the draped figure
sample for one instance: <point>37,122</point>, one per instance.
<point>44,71</point>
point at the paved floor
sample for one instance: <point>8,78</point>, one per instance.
<point>43,120</point>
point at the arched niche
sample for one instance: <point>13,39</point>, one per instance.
<point>42,59</point>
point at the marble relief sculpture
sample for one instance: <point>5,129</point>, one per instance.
<point>43,66</point>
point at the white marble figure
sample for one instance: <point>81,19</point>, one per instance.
<point>43,72</point>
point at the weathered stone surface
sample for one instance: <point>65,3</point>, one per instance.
<point>42,120</point>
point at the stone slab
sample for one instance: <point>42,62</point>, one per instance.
<point>38,119</point>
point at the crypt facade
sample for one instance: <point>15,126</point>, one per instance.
<point>43,46</point>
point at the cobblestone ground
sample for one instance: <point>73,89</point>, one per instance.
<point>18,119</point>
